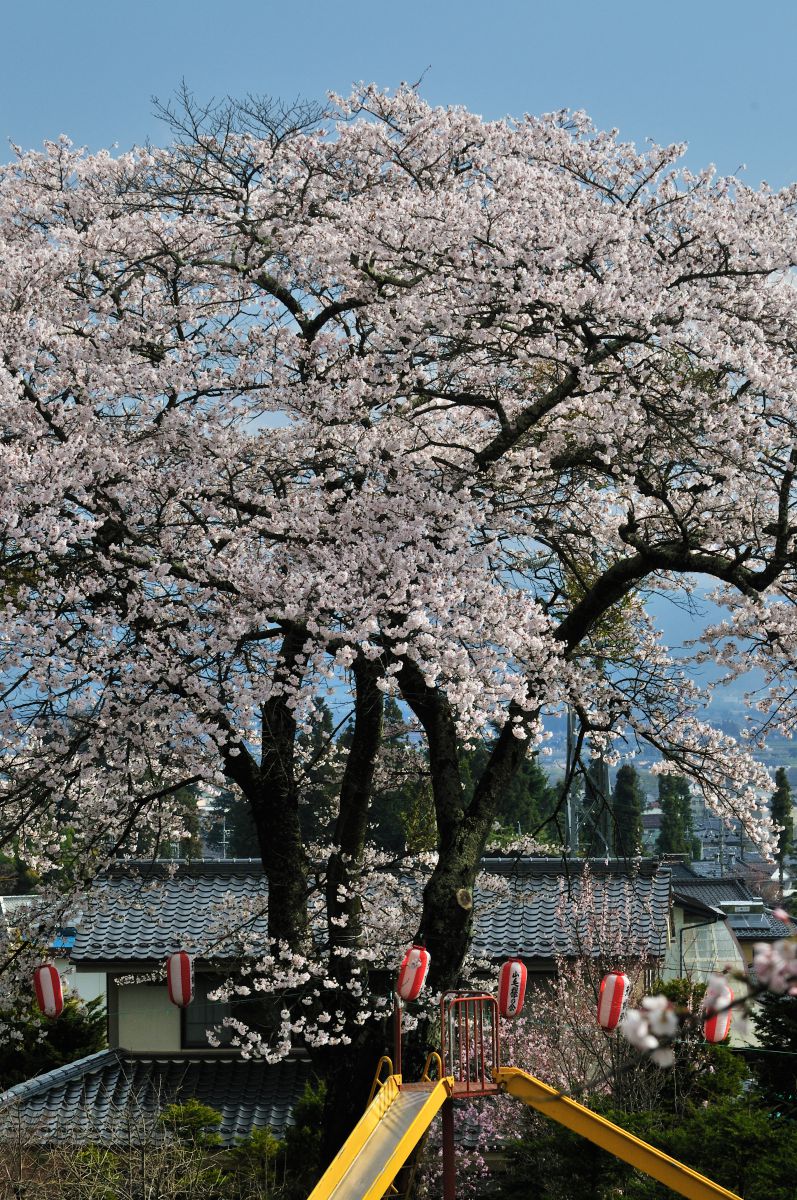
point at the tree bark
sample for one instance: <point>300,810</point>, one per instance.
<point>345,861</point>
<point>462,832</point>
<point>447,916</point>
<point>349,1070</point>
<point>270,788</point>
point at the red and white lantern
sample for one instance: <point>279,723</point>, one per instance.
<point>49,993</point>
<point>180,978</point>
<point>611,1001</point>
<point>717,1014</point>
<point>512,987</point>
<point>412,973</point>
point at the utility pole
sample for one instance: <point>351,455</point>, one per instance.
<point>571,804</point>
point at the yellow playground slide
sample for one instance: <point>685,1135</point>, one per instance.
<point>400,1114</point>
<point>609,1137</point>
<point>382,1140</point>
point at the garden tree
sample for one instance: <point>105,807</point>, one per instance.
<point>775,1021</point>
<point>675,832</point>
<point>292,404</point>
<point>167,1149</point>
<point>627,800</point>
<point>781,812</point>
<point>559,1165</point>
<point>32,1045</point>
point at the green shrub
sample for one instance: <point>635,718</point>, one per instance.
<point>33,1044</point>
<point>192,1122</point>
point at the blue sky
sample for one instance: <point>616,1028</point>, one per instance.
<point>715,73</point>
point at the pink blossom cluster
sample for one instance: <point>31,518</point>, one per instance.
<point>775,966</point>
<point>651,1028</point>
<point>411,390</point>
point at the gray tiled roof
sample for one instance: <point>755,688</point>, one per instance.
<point>144,913</point>
<point>114,1095</point>
<point>139,919</point>
<point>711,892</point>
<point>534,918</point>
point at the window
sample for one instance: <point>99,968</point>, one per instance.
<point>203,1014</point>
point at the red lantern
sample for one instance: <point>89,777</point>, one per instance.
<point>512,987</point>
<point>717,1025</point>
<point>180,978</point>
<point>412,973</point>
<point>612,998</point>
<point>49,993</point>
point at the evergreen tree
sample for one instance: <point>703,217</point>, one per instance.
<point>627,812</point>
<point>675,834</point>
<point>190,846</point>
<point>526,802</point>
<point>240,836</point>
<point>158,842</point>
<point>781,815</point>
<point>402,811</point>
<point>16,879</point>
<point>320,773</point>
<point>775,1062</point>
<point>32,1044</point>
<point>318,783</point>
<point>596,827</point>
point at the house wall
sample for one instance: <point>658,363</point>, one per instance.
<point>697,950</point>
<point>89,985</point>
<point>704,950</point>
<point>142,1018</point>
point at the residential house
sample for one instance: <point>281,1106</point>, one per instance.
<point>88,985</point>
<point>534,908</point>
<point>159,1054</point>
<point>716,922</point>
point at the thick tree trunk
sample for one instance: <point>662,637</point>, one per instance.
<point>270,788</point>
<point>349,1070</point>
<point>447,916</point>
<point>345,862</point>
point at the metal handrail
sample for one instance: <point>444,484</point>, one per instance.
<point>433,1056</point>
<point>470,1040</point>
<point>380,1083</point>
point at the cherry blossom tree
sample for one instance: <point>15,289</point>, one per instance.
<point>395,402</point>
